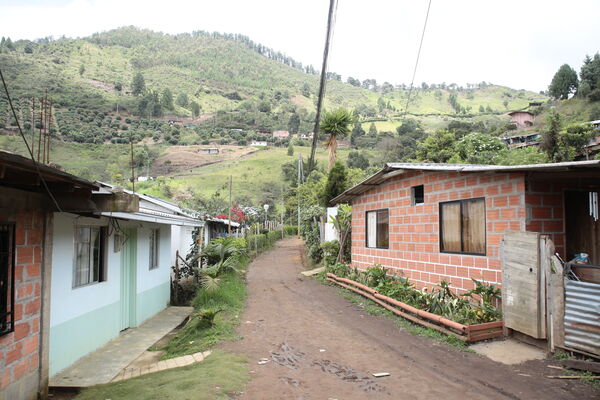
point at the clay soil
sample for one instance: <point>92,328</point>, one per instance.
<point>181,160</point>
<point>317,345</point>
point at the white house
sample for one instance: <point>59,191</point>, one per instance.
<point>259,143</point>
<point>111,271</point>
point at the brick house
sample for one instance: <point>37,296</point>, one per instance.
<point>434,222</point>
<point>26,215</point>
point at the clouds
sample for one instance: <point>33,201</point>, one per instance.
<point>517,43</point>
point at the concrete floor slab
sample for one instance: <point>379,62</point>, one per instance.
<point>509,351</point>
<point>104,364</point>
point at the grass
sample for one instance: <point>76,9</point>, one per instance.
<point>252,175</point>
<point>229,297</point>
<point>414,329</point>
<point>220,376</point>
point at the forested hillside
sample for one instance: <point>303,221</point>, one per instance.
<point>127,83</point>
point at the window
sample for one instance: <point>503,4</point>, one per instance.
<point>462,226</point>
<point>89,255</point>
<point>154,247</point>
<point>7,277</point>
<point>378,229</point>
<point>417,194</point>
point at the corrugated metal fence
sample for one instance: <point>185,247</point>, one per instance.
<point>582,316</point>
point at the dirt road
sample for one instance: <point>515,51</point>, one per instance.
<point>321,346</point>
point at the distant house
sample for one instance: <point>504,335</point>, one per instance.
<point>306,136</point>
<point>176,122</point>
<point>216,227</point>
<point>517,141</point>
<point>261,143</point>
<point>522,119</point>
<point>209,150</point>
<point>281,134</point>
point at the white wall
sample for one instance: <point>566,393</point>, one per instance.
<point>181,239</point>
<point>330,232</point>
<point>68,302</point>
<point>149,278</point>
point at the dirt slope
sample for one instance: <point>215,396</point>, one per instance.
<point>290,320</point>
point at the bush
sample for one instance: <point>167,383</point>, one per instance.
<point>330,250</point>
<point>291,230</point>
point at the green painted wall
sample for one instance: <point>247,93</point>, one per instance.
<point>152,301</point>
<point>79,336</point>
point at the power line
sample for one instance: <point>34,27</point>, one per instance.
<point>417,62</point>
<point>35,163</point>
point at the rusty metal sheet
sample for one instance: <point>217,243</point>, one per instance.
<point>582,316</point>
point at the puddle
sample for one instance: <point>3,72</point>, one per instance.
<point>287,356</point>
<point>349,375</point>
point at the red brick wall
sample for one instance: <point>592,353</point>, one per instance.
<point>414,249</point>
<point>19,350</point>
<point>545,211</point>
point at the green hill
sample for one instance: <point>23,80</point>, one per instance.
<point>227,75</point>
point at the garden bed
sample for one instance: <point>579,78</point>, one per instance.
<point>467,332</point>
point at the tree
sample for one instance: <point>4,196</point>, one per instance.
<point>481,109</point>
<point>564,83</point>
<point>335,124</point>
<point>294,123</point>
<point>479,148</point>
<point>410,126</point>
<point>357,160</point>
<point>290,150</point>
<point>118,86</point>
<point>305,90</point>
<point>337,182</point>
<point>574,139</point>
<point>182,99</point>
<point>264,106</point>
<point>437,147</point>
<point>590,73</point>
<point>166,99</point>
<point>138,85</point>
<point>81,69</point>
<point>372,129</point>
<point>357,131</point>
<point>550,137</point>
<point>195,107</point>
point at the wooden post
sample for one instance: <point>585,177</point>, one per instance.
<point>229,224</point>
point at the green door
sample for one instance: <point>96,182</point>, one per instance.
<point>128,278</point>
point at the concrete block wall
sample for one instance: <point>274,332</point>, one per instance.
<point>20,350</point>
<point>414,250</point>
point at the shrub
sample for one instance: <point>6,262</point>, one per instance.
<point>330,252</point>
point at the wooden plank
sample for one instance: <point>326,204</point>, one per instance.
<point>581,365</point>
<point>521,283</point>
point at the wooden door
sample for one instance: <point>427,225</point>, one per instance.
<point>523,306</point>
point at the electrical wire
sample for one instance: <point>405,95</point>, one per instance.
<point>417,62</point>
<point>35,163</point>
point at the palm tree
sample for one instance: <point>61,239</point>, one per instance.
<point>335,123</point>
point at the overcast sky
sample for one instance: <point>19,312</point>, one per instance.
<point>519,44</point>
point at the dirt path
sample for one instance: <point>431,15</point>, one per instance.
<point>291,319</point>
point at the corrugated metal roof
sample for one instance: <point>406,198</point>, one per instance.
<point>394,169</point>
<point>582,316</point>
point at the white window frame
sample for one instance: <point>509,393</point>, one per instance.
<point>154,249</point>
<point>96,257</point>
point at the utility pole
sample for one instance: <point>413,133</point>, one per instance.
<point>132,166</point>
<point>311,161</point>
<point>229,224</point>
<point>300,181</point>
